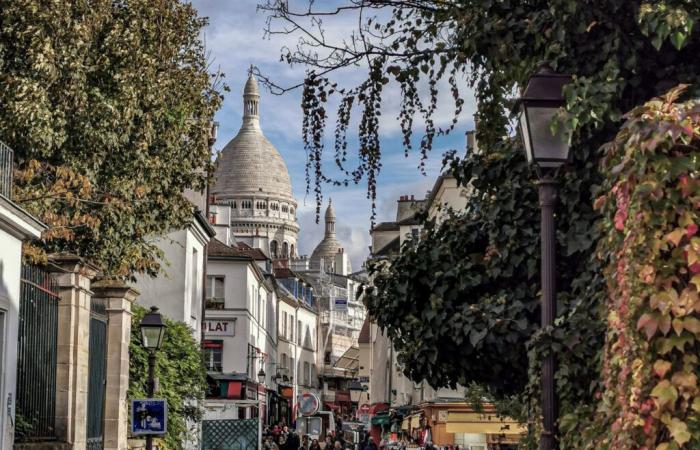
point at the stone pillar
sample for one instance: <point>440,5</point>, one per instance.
<point>118,299</point>
<point>74,277</point>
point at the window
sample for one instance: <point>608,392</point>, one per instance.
<point>212,355</point>
<point>285,250</point>
<point>215,292</point>
<point>284,360</point>
<point>307,374</point>
<point>273,249</point>
<point>284,324</point>
<point>299,333</point>
<point>291,329</point>
<point>291,250</point>
<point>291,366</point>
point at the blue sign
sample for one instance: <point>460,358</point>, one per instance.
<point>341,304</point>
<point>149,416</point>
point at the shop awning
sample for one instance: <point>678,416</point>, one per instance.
<point>470,422</point>
<point>381,419</point>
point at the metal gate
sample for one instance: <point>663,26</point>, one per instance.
<point>239,434</point>
<point>36,355</point>
<point>97,372</point>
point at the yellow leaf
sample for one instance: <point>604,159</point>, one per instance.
<point>685,380</point>
<point>679,431</point>
<point>677,326</point>
<point>675,236</point>
<point>661,367</point>
<point>696,281</point>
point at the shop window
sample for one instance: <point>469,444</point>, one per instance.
<point>213,351</point>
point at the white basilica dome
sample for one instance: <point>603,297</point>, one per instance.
<point>252,179</point>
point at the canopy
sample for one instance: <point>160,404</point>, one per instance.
<point>471,422</point>
<point>381,419</point>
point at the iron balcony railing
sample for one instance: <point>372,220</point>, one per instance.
<point>6,155</point>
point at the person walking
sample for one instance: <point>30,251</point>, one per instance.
<point>315,445</point>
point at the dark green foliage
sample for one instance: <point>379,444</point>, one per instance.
<point>181,374</point>
<point>461,303</point>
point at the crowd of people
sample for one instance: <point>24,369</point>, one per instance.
<point>281,437</point>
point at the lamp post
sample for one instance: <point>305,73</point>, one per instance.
<point>152,332</point>
<point>548,151</point>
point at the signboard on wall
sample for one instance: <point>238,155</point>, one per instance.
<point>219,327</point>
<point>340,304</point>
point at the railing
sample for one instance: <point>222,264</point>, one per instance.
<point>36,355</point>
<point>214,304</point>
<point>6,156</point>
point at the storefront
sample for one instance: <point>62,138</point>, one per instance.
<point>482,431</point>
<point>379,421</point>
<point>285,405</point>
<point>448,424</point>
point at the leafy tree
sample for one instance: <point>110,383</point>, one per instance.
<point>107,105</point>
<point>181,376</point>
<point>461,303</point>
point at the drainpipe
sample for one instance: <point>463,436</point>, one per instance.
<point>214,130</point>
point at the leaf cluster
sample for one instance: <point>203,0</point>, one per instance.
<point>650,202</point>
<point>181,377</point>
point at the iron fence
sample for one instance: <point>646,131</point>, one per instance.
<point>36,354</point>
<point>6,156</point>
<point>230,434</point>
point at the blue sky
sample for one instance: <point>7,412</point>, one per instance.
<point>235,40</point>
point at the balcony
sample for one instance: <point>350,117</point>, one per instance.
<point>6,156</point>
<point>214,303</point>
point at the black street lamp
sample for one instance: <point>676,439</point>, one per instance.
<point>548,151</point>
<point>261,376</point>
<point>152,332</point>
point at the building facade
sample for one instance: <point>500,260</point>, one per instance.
<point>240,325</point>
<point>179,291</point>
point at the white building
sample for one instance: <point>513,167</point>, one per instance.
<point>179,291</point>
<point>297,333</point>
<point>252,179</point>
<point>16,226</point>
<point>240,325</point>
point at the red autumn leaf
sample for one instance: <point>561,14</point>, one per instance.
<point>691,230</point>
<point>649,323</point>
<point>695,268</point>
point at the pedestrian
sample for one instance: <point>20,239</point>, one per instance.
<point>370,444</point>
<point>304,442</point>
<point>315,445</point>
<point>328,443</point>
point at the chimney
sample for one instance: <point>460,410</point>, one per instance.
<point>405,208</point>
